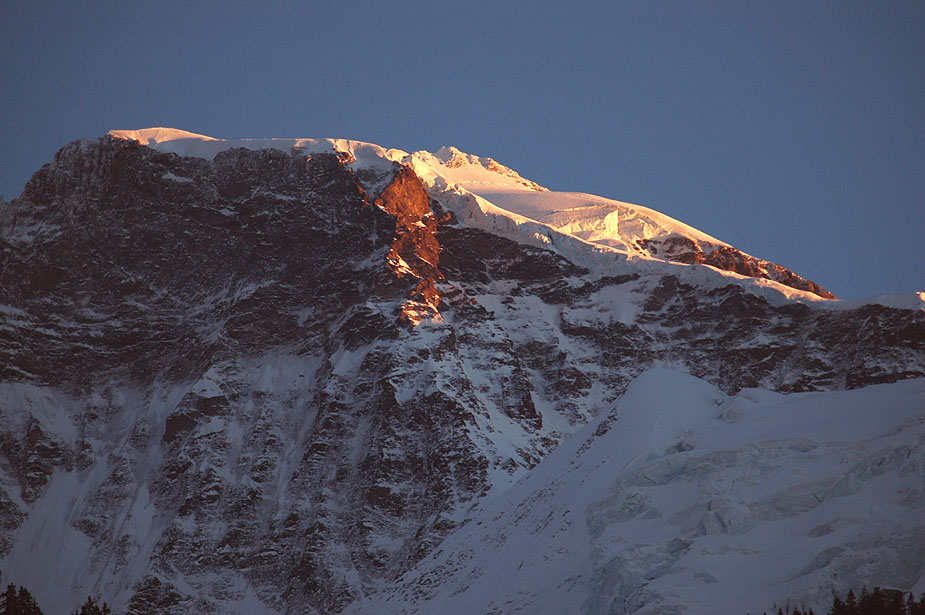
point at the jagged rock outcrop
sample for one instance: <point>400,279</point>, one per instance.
<point>681,249</point>
<point>415,250</point>
<point>274,377</point>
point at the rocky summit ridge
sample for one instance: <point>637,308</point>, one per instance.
<point>276,375</point>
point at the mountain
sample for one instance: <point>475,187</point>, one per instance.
<point>296,375</point>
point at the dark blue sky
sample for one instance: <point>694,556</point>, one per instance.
<point>793,130</point>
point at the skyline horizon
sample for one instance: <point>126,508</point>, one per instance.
<point>791,132</point>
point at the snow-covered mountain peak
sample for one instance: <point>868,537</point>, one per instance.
<point>457,167</point>
<point>599,234</point>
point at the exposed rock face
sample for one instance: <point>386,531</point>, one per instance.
<point>270,377</point>
<point>415,251</point>
<point>684,250</point>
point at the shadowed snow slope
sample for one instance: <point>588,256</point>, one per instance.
<point>683,499</point>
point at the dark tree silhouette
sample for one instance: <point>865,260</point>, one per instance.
<point>876,602</point>
<point>91,607</point>
<point>19,601</point>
